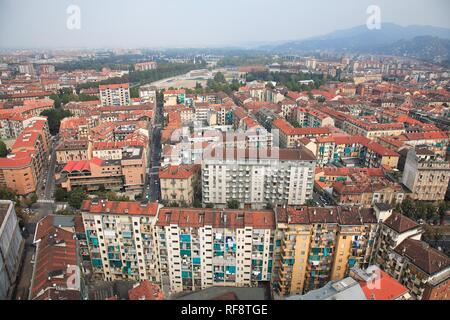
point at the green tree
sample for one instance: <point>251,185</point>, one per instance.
<point>8,194</point>
<point>310,203</point>
<point>54,117</point>
<point>3,149</point>
<point>197,203</point>
<point>31,199</point>
<point>60,194</point>
<point>220,78</point>
<point>76,197</point>
<point>233,204</point>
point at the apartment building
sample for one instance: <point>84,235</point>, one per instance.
<point>290,137</point>
<point>11,248</point>
<point>174,97</point>
<point>358,127</point>
<point>144,66</point>
<point>399,252</point>
<point>180,183</point>
<point>426,175</point>
<point>17,172</point>
<point>91,175</point>
<point>72,150</point>
<point>256,177</point>
<point>316,245</point>
<point>121,239</point>
<point>350,150</point>
<point>312,118</point>
<point>33,143</point>
<point>366,191</point>
<point>114,150</point>
<point>200,248</point>
<point>115,94</point>
<point>423,270</point>
<point>58,265</point>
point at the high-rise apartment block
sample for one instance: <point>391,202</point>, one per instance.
<point>316,245</point>
<point>120,239</point>
<point>199,248</point>
<point>115,94</point>
<point>255,177</point>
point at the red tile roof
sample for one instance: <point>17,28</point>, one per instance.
<point>384,287</point>
<point>145,291</point>
<point>183,171</point>
<point>120,207</point>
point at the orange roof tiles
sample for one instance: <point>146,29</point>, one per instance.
<point>387,288</point>
<point>183,171</point>
<point>120,207</point>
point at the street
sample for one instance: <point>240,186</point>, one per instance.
<point>152,187</point>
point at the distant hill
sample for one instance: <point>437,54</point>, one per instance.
<point>360,39</point>
<point>423,47</point>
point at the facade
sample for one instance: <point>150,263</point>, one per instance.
<point>174,97</point>
<point>290,137</point>
<point>115,94</point>
<point>423,270</point>
<point>72,150</point>
<point>120,239</point>
<point>316,245</point>
<point>426,176</point>
<point>256,177</point>
<point>400,253</point>
<point>92,175</point>
<point>200,248</point>
<point>144,66</point>
<point>179,183</point>
<point>11,248</point>
<point>18,173</point>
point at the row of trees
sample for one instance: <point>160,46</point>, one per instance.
<point>291,81</point>
<point>423,210</point>
<point>164,70</point>
<point>76,196</point>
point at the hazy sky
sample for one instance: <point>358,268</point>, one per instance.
<point>179,23</point>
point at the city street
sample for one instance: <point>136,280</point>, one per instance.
<point>152,188</point>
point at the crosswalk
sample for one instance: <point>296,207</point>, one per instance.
<point>46,201</point>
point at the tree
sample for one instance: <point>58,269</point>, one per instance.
<point>209,205</point>
<point>220,78</point>
<point>76,197</point>
<point>8,194</point>
<point>3,149</point>
<point>310,203</point>
<point>197,203</point>
<point>233,204</point>
<point>31,199</point>
<point>54,117</point>
<point>60,194</point>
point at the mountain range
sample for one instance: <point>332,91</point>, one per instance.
<point>423,42</point>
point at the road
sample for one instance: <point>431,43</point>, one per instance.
<point>152,189</point>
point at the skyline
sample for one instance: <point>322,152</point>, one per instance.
<point>223,27</point>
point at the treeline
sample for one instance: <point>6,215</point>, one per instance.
<point>289,80</point>
<point>237,61</point>
<point>114,62</point>
<point>164,70</point>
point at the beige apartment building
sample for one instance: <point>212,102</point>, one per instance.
<point>316,245</point>
<point>426,175</point>
<point>72,150</point>
<point>179,183</point>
